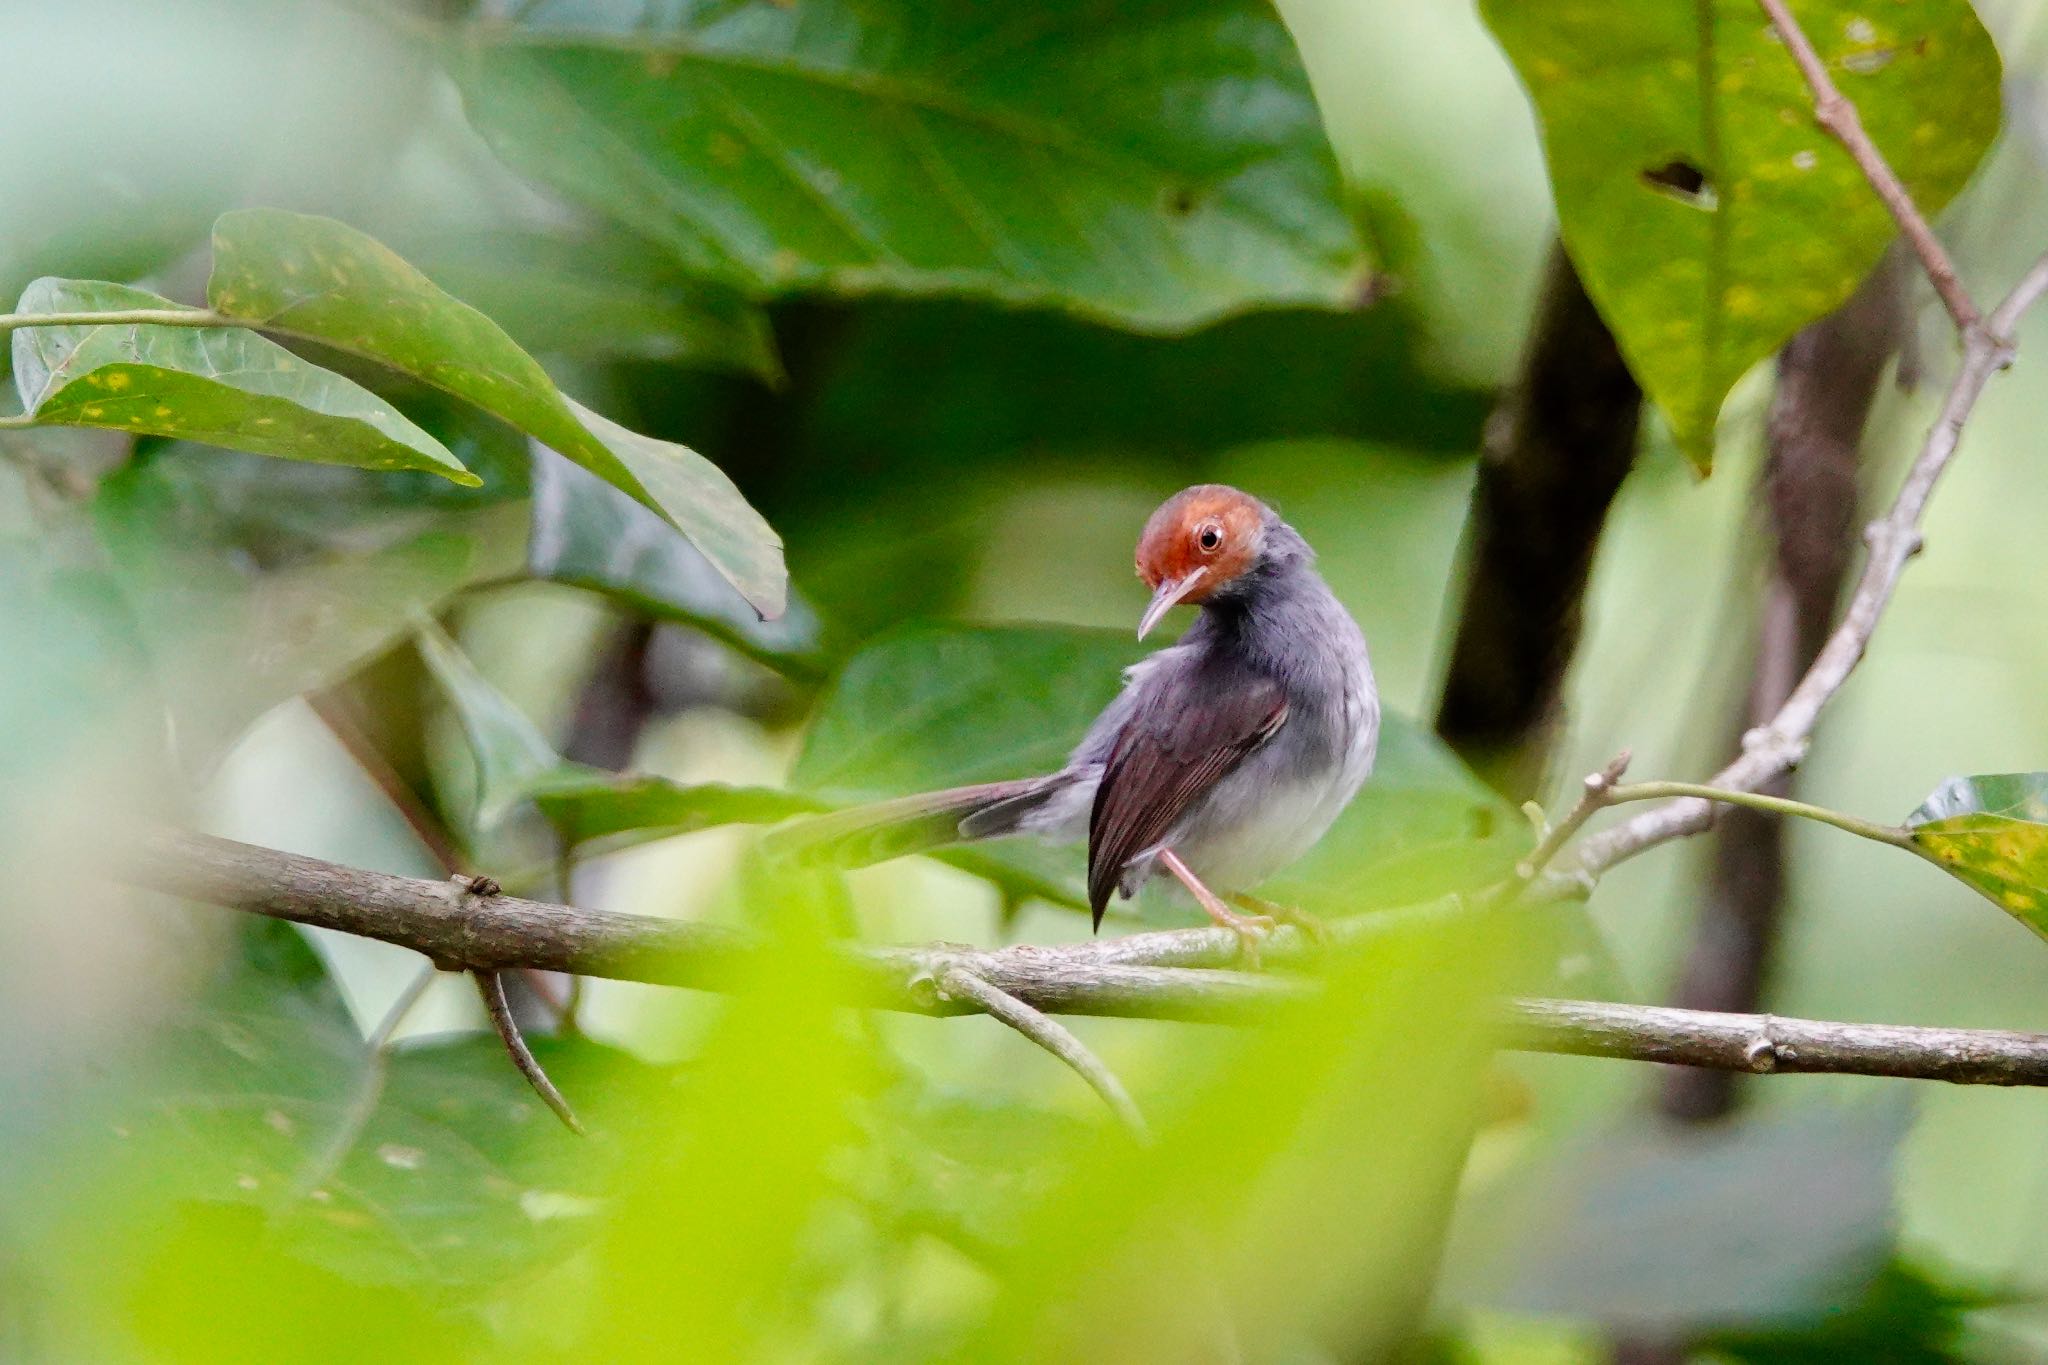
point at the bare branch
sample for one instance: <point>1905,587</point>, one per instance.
<point>1763,1043</point>
<point>1110,976</point>
<point>1838,116</point>
<point>1595,793</point>
<point>1055,1038</point>
<point>369,1087</point>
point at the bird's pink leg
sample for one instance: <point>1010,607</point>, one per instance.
<point>1310,925</point>
<point>1250,929</point>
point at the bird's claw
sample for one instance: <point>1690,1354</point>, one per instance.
<point>1312,926</point>
<point>1251,931</point>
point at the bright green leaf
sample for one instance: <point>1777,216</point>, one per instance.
<point>588,533</point>
<point>220,385</point>
<point>1157,165</point>
<point>320,279</point>
<point>1708,214</point>
<point>1992,832</point>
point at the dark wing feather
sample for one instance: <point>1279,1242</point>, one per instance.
<point>1179,741</point>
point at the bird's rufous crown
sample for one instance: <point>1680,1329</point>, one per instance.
<point>1212,527</point>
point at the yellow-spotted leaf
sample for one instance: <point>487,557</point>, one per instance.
<point>1991,831</point>
<point>1707,212</point>
<point>222,386</point>
<point>316,278</point>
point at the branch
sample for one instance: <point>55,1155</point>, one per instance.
<point>1554,454</point>
<point>1055,1038</point>
<point>1774,747</point>
<point>1764,1043</point>
<point>1126,977</point>
<point>1838,116</point>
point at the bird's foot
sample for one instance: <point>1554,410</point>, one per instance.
<point>1251,930</point>
<point>1311,926</point>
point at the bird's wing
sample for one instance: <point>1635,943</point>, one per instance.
<point>1180,738</point>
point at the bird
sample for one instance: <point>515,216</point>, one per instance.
<point>1225,757</point>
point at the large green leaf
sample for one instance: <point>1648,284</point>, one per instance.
<point>1991,831</point>
<point>1158,165</point>
<point>600,296</point>
<point>221,385</point>
<point>320,279</point>
<point>941,706</point>
<point>1707,212</point>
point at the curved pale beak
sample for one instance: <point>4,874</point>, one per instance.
<point>1167,596</point>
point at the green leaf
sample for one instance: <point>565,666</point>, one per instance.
<point>516,763</point>
<point>1159,165</point>
<point>588,533</point>
<point>1708,214</point>
<point>601,297</point>
<point>1775,1217</point>
<point>941,706</point>
<point>217,641</point>
<point>320,279</point>
<point>220,385</point>
<point>1991,831</point>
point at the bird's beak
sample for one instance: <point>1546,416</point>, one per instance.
<point>1167,596</point>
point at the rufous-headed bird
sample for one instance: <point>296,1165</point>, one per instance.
<point>1226,755</point>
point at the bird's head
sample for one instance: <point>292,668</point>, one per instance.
<point>1202,542</point>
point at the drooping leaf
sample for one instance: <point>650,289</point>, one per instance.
<point>1160,165</point>
<point>1708,214</point>
<point>516,763</point>
<point>587,533</point>
<point>600,296</point>
<point>219,385</point>
<point>1991,831</point>
<point>942,706</point>
<point>317,278</point>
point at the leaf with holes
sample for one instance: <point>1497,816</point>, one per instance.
<point>221,385</point>
<point>1708,214</point>
<point>319,279</point>
<point>1156,165</point>
<point>1991,831</point>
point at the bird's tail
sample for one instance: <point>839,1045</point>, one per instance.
<point>913,824</point>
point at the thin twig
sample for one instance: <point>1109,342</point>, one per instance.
<point>1776,746</point>
<point>1894,835</point>
<point>1838,116</point>
<point>490,984</point>
<point>369,1087</point>
<point>1595,793</point>
<point>1104,977</point>
<point>1055,1038</point>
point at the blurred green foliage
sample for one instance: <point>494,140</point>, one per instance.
<point>952,295</point>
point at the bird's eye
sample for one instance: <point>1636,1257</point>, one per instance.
<point>1209,537</point>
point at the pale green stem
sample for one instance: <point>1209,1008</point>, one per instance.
<point>154,317</point>
<point>1894,835</point>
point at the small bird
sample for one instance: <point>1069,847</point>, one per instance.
<point>1225,757</point>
